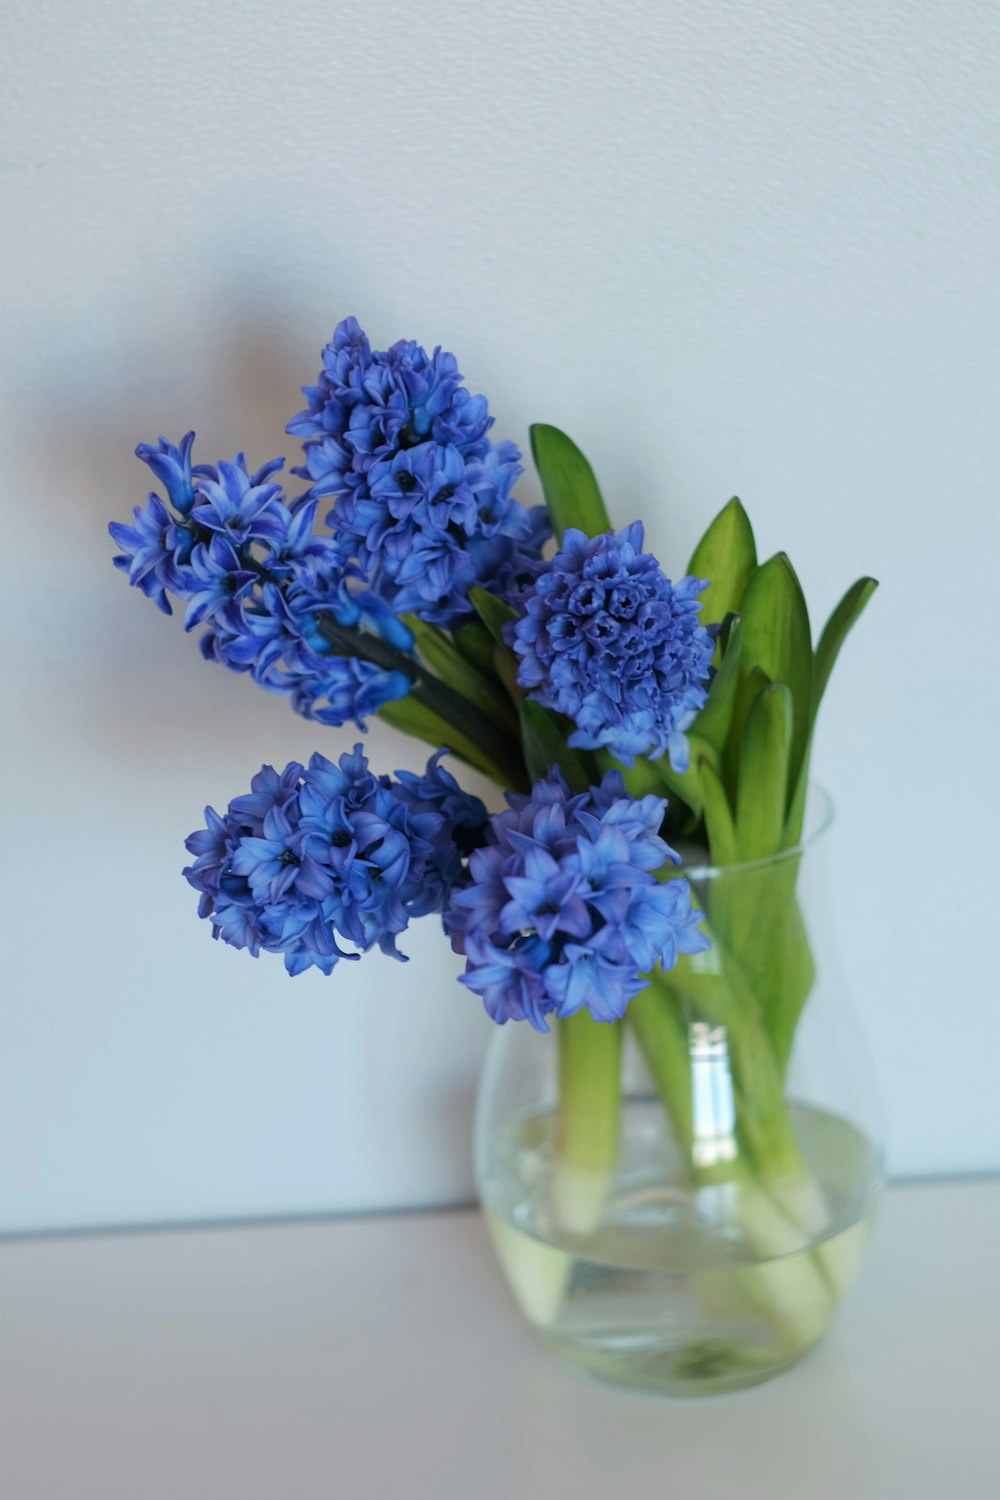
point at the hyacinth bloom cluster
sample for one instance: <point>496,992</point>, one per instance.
<point>422,498</point>
<point>315,856</point>
<point>563,910</point>
<point>253,571</point>
<point>609,641</point>
<point>556,903</point>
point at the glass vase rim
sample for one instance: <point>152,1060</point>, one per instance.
<point>819,817</point>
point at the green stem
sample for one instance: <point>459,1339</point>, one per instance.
<point>662,1034</point>
<point>724,999</point>
<point>448,665</point>
<point>589,1091</point>
<point>431,692</point>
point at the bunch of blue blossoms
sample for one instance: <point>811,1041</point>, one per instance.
<point>331,852</point>
<point>563,910</point>
<point>252,570</point>
<point>423,499</point>
<point>425,525</point>
<point>609,641</point>
<point>428,601</point>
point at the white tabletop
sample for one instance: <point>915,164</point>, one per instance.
<point>383,1358</point>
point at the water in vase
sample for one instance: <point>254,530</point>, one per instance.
<point>644,1279</point>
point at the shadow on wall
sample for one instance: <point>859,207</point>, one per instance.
<point>233,376</point>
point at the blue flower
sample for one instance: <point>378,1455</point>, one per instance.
<point>240,509</point>
<point>563,910</point>
<point>463,829</point>
<point>609,641</point>
<point>218,586</point>
<point>315,857</point>
<point>423,499</point>
<point>172,467</point>
<point>253,570</point>
<point>370,404</point>
<point>155,552</point>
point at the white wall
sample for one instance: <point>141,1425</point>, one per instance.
<point>741,247</point>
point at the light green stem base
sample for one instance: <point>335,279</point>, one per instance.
<point>587,1141</point>
<point>761,1184</point>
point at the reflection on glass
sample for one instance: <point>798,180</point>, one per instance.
<point>712,1105</point>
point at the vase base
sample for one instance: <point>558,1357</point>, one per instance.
<point>700,1367</point>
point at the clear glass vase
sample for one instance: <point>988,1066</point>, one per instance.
<point>680,1201</point>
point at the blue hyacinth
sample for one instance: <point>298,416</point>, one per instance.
<point>251,568</point>
<point>314,857</point>
<point>609,641</point>
<point>563,910</point>
<point>422,498</point>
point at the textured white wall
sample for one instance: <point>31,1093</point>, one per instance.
<point>742,247</point>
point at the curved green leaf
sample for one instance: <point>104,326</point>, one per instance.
<point>762,782</point>
<point>493,612</point>
<point>571,491</point>
<point>752,682</point>
<point>776,639</point>
<point>475,643</point>
<point>712,723</point>
<point>718,816</point>
<point>726,556</point>
<point>835,632</point>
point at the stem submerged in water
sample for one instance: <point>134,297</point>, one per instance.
<point>736,1137</point>
<point>589,1092</point>
<point>587,1139</point>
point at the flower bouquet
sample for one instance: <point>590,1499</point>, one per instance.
<point>668,1209</point>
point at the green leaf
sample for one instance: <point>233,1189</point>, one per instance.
<point>718,817</point>
<point>447,663</point>
<point>781,963</point>
<point>411,717</point>
<point>475,643</point>
<point>505,670</point>
<point>544,741</point>
<point>493,612</point>
<point>712,723</point>
<point>763,773</point>
<point>797,806</point>
<point>687,784</point>
<point>835,632</point>
<point>568,483</point>
<point>776,639</point>
<point>726,556</point>
<point>750,684</point>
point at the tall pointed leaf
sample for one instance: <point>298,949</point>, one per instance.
<point>752,681</point>
<point>718,816</point>
<point>571,491</point>
<point>776,638</point>
<point>493,612</point>
<point>475,643</point>
<point>835,632</point>
<point>726,556</point>
<point>763,773</point>
<point>712,723</point>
